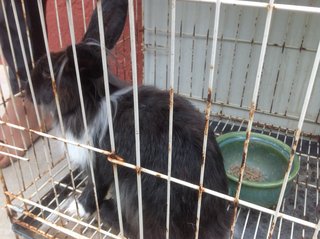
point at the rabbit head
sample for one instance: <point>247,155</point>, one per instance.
<point>88,53</point>
<point>66,87</point>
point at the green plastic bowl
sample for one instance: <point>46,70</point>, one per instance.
<point>267,160</point>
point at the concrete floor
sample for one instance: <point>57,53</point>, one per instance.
<point>5,225</point>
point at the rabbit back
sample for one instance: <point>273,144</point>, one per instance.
<point>188,132</point>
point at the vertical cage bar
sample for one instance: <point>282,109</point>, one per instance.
<point>296,140</point>
<point>317,202</point>
<point>27,31</point>
<point>89,141</point>
<point>58,22</point>
<point>212,68</point>
<point>252,110</point>
<point>245,224</point>
<point>136,111</point>
<point>317,182</point>
<point>257,226</point>
<point>10,42</point>
<point>109,112</point>
<point>171,104</point>
<point>84,15</point>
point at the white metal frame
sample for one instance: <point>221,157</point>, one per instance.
<point>276,214</point>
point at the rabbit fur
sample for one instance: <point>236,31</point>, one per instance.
<point>187,140</point>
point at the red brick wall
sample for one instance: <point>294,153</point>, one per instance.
<point>120,62</point>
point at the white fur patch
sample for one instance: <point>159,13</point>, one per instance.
<point>72,209</point>
<point>79,156</point>
<point>100,125</point>
<point>115,96</point>
<point>110,193</point>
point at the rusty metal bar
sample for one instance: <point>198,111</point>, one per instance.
<point>109,112</point>
<point>252,110</point>
<point>288,7</point>
<point>58,23</point>
<point>296,140</point>
<point>52,225</point>
<point>10,44</point>
<point>136,110</point>
<point>49,136</point>
<point>212,68</point>
<point>32,229</point>
<point>171,105</point>
<point>84,16</point>
<point>12,147</point>
<point>69,218</point>
<point>27,31</point>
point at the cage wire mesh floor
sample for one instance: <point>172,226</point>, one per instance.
<point>33,220</point>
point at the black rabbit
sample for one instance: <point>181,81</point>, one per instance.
<point>188,132</point>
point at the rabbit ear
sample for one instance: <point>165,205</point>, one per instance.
<point>89,60</point>
<point>90,68</point>
<point>114,17</point>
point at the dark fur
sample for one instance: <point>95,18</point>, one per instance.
<point>188,128</point>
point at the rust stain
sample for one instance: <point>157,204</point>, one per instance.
<point>203,158</point>
<point>206,127</point>
<point>271,230</point>
<point>201,190</point>
<point>270,7</point>
<point>171,93</point>
<point>236,202</point>
<point>138,170</point>
<point>233,219</point>
<point>252,110</point>
<point>244,156</point>
<point>54,88</point>
<point>209,95</point>
<point>114,161</point>
<point>114,156</point>
<point>243,164</point>
<point>33,229</point>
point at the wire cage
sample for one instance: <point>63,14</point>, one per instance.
<point>246,65</point>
